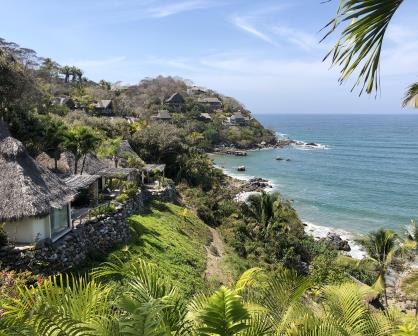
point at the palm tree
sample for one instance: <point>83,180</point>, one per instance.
<point>359,47</point>
<point>66,71</point>
<point>260,207</point>
<point>105,85</point>
<point>110,148</point>
<point>80,141</point>
<point>412,235</point>
<point>381,247</point>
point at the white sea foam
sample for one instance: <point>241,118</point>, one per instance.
<point>301,145</point>
<point>318,232</point>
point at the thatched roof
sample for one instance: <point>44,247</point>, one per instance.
<point>104,103</point>
<point>237,116</point>
<point>209,100</point>
<point>125,148</point>
<point>79,182</point>
<point>26,188</point>
<point>154,167</point>
<point>175,98</point>
<point>47,162</point>
<point>116,172</point>
<point>163,115</point>
<point>205,116</point>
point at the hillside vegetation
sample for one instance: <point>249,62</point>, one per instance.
<point>290,284</point>
<point>174,239</point>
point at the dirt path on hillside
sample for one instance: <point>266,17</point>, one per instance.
<point>215,254</point>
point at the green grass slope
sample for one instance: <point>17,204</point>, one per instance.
<point>174,239</point>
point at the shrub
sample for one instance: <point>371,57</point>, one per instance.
<point>121,198</point>
<point>3,236</point>
<point>102,210</point>
<point>206,215</point>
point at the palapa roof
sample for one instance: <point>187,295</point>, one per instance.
<point>205,116</point>
<point>47,162</point>
<point>104,103</point>
<point>116,172</point>
<point>78,182</point>
<point>175,98</point>
<point>163,114</point>
<point>154,166</point>
<point>26,188</point>
<point>125,148</point>
<point>237,116</point>
<point>209,100</point>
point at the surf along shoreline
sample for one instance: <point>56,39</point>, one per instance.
<point>244,185</point>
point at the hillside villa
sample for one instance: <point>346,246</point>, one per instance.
<point>64,101</point>
<point>238,119</point>
<point>196,91</point>
<point>162,115</point>
<point>205,117</point>
<point>103,107</point>
<point>213,103</point>
<point>34,202</point>
<point>175,101</point>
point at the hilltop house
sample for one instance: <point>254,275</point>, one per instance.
<point>163,115</point>
<point>64,101</point>
<point>238,119</point>
<point>204,117</point>
<point>213,103</point>
<point>176,101</point>
<point>196,91</point>
<point>34,202</point>
<point>103,107</point>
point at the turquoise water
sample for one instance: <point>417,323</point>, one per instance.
<point>365,178</point>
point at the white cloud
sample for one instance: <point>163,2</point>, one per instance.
<point>98,63</point>
<point>299,38</point>
<point>244,24</point>
<point>176,8</point>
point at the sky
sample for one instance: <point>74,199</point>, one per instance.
<point>264,53</point>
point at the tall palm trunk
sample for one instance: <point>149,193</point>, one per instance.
<point>82,166</point>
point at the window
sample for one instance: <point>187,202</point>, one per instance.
<point>59,220</point>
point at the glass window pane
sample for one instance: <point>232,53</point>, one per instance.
<point>59,220</point>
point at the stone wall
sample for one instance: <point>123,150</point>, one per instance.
<point>166,194</point>
<point>95,236</point>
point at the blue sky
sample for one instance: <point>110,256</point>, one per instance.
<point>264,53</point>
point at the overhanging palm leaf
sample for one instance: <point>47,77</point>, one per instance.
<point>284,299</point>
<point>224,314</point>
<point>64,306</point>
<point>343,311</point>
<point>361,41</point>
<point>411,96</point>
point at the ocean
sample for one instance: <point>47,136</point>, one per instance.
<point>364,176</point>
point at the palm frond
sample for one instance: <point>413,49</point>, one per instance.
<point>61,303</point>
<point>411,96</point>
<point>224,314</point>
<point>360,44</point>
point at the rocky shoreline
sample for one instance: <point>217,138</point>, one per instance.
<point>232,150</point>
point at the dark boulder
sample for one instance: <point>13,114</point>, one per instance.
<point>337,242</point>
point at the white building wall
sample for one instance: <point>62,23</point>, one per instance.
<point>28,230</point>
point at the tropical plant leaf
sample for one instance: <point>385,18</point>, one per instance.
<point>359,47</point>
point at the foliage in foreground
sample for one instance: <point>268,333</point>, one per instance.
<point>258,304</point>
